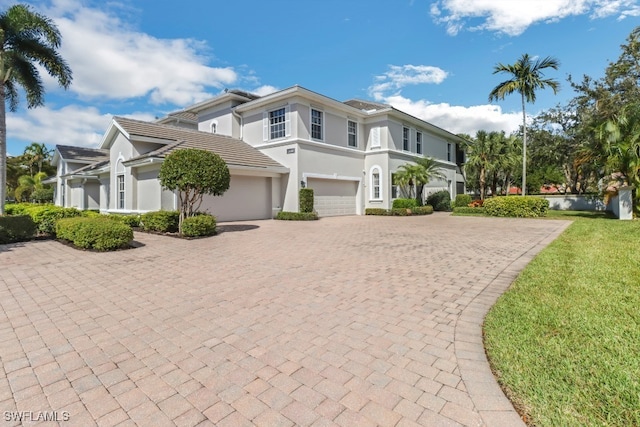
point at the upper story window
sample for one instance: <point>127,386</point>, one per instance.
<point>120,183</point>
<point>405,139</point>
<point>317,120</point>
<point>449,152</point>
<point>352,133</point>
<point>419,142</point>
<point>277,123</point>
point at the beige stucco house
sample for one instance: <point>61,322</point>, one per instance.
<point>274,145</point>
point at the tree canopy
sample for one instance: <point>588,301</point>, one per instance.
<point>192,174</point>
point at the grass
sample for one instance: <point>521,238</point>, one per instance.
<point>564,341</point>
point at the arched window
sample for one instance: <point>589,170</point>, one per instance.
<point>376,183</point>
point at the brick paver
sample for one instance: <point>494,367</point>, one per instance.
<point>344,321</point>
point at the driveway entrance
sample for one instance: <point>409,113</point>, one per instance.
<point>348,321</point>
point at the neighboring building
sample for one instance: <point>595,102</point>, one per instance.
<point>274,145</point>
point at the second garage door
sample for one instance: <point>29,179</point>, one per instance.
<point>333,197</point>
<point>248,197</point>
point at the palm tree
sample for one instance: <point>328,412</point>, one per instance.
<point>37,153</point>
<point>480,157</point>
<point>27,184</point>
<point>27,38</point>
<point>526,78</point>
<point>420,174</point>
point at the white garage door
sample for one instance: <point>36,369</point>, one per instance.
<point>333,197</point>
<point>248,197</point>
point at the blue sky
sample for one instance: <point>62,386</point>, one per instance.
<point>431,58</point>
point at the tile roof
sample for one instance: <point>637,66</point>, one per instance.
<point>186,115</point>
<point>69,152</point>
<point>232,150</point>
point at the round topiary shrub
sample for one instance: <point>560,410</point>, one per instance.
<point>199,225</point>
<point>160,221</point>
<point>462,200</point>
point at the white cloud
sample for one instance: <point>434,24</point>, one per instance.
<point>458,119</point>
<point>264,90</point>
<point>70,125</point>
<point>514,17</point>
<point>400,76</point>
<point>111,60</point>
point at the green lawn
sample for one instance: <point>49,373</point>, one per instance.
<point>564,341</point>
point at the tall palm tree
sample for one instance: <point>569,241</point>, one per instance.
<point>37,154</point>
<point>526,78</point>
<point>27,39</point>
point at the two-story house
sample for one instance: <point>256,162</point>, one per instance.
<point>274,145</point>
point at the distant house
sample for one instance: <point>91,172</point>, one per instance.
<point>274,145</point>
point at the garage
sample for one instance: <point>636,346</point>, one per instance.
<point>248,197</point>
<point>334,197</point>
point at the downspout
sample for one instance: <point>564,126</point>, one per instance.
<point>239,117</point>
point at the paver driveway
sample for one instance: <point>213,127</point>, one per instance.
<point>348,321</point>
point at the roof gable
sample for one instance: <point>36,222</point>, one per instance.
<point>232,150</point>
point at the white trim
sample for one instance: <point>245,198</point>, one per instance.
<point>279,143</point>
<point>335,176</point>
<point>378,169</point>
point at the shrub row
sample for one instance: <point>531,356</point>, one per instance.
<point>160,221</point>
<point>44,216</point>
<point>132,220</point>
<point>297,216</point>
<point>102,234</point>
<point>417,210</point>
<point>516,206</point>
<point>16,228</point>
<point>199,225</point>
<point>441,201</point>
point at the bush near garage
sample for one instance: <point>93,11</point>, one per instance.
<point>306,200</point>
<point>101,234</point>
<point>441,201</point>
<point>422,210</point>
<point>18,228</point>
<point>517,206</point>
<point>297,216</point>
<point>160,221</point>
<point>199,226</point>
<point>404,203</point>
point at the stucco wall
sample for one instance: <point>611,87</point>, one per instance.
<point>574,202</point>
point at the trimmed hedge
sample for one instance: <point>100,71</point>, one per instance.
<point>417,210</point>
<point>161,221</point>
<point>306,200</point>
<point>422,210</point>
<point>131,220</point>
<point>462,200</point>
<point>467,210</point>
<point>16,208</point>
<point>517,206</point>
<point>404,203</point>
<point>101,234</point>
<point>297,216</point>
<point>441,201</point>
<point>199,225</point>
<point>376,211</point>
<point>16,228</point>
